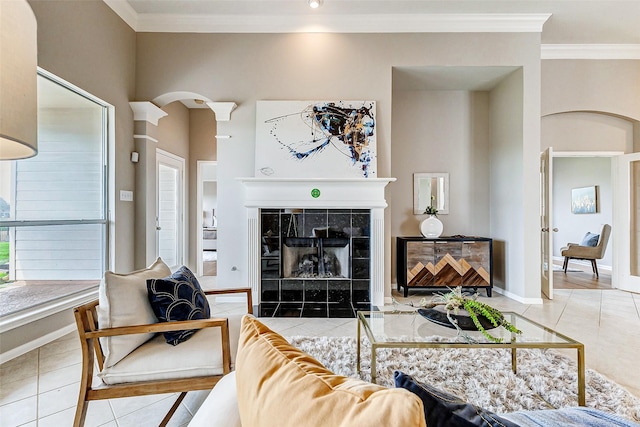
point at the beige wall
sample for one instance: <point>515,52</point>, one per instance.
<point>441,131</point>
<point>609,86</point>
<point>87,44</point>
<point>203,146</point>
<point>173,130</point>
<point>586,131</point>
<point>508,193</point>
<point>245,68</point>
<point>591,105</point>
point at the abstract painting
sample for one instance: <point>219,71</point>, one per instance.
<point>583,200</point>
<point>316,139</point>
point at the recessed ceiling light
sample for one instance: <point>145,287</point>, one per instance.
<point>314,4</point>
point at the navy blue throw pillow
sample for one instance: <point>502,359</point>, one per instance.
<point>445,410</point>
<point>590,239</point>
<point>178,297</point>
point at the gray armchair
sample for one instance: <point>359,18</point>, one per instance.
<point>590,253</point>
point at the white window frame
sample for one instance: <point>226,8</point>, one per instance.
<point>31,314</point>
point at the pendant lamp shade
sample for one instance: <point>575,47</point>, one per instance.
<point>18,80</point>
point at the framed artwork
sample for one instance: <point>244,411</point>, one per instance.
<point>316,139</point>
<point>584,200</point>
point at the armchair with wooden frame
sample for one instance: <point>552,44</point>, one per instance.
<point>213,341</point>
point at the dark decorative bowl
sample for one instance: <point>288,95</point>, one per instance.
<point>464,322</point>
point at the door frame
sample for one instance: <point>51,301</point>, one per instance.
<point>620,235</point>
<point>546,222</point>
<point>199,189</point>
<point>182,229</point>
<point>611,155</point>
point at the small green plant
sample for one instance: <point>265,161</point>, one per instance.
<point>431,210</point>
<point>455,300</point>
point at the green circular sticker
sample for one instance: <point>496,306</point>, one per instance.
<point>315,193</point>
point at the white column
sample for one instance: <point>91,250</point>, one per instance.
<point>253,245</point>
<point>377,257</point>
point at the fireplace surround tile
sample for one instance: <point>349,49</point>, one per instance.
<point>292,290</point>
<point>312,257</point>
<point>289,310</point>
<point>315,291</point>
<point>341,310</point>
<point>315,310</point>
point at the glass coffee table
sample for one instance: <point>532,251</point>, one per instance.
<point>408,329</point>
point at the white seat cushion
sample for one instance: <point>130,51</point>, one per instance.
<point>201,355</point>
<point>123,301</point>
<point>220,408</point>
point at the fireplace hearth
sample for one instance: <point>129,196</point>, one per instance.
<point>314,262</point>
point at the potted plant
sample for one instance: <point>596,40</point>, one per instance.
<point>482,316</point>
<point>431,226</point>
<point>431,210</point>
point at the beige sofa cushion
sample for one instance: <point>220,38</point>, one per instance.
<point>124,302</point>
<point>201,355</point>
<point>279,385</point>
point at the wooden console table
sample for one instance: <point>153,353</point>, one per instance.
<point>444,262</point>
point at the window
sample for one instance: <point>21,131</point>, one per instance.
<point>53,210</point>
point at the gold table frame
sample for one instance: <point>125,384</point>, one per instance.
<point>513,344</point>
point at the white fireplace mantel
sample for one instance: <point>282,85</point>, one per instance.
<point>318,193</point>
<point>356,193</point>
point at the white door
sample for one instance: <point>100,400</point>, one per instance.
<point>546,224</point>
<point>170,209</point>
<point>625,232</point>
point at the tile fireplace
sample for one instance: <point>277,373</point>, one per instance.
<point>314,262</point>
<point>316,246</point>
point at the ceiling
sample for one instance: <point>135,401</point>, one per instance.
<point>569,21</point>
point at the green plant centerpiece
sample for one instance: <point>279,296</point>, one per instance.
<point>454,301</point>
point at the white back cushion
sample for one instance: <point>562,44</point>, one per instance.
<point>123,301</point>
<point>220,408</point>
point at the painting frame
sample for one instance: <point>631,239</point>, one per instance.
<point>584,200</point>
<point>316,139</point>
<point>431,189</point>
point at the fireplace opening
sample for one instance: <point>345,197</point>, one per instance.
<point>315,257</point>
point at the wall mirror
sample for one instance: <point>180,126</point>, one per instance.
<point>428,187</point>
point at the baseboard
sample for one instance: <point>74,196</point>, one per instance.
<point>601,267</point>
<point>38,342</point>
<point>528,301</point>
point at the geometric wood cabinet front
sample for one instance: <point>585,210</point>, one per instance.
<point>444,262</point>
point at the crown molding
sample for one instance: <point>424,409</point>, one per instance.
<point>590,51</point>
<point>362,23</point>
<point>124,11</point>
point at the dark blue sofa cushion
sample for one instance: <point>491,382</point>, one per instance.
<point>445,410</point>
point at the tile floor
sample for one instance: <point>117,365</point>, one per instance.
<point>40,388</point>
